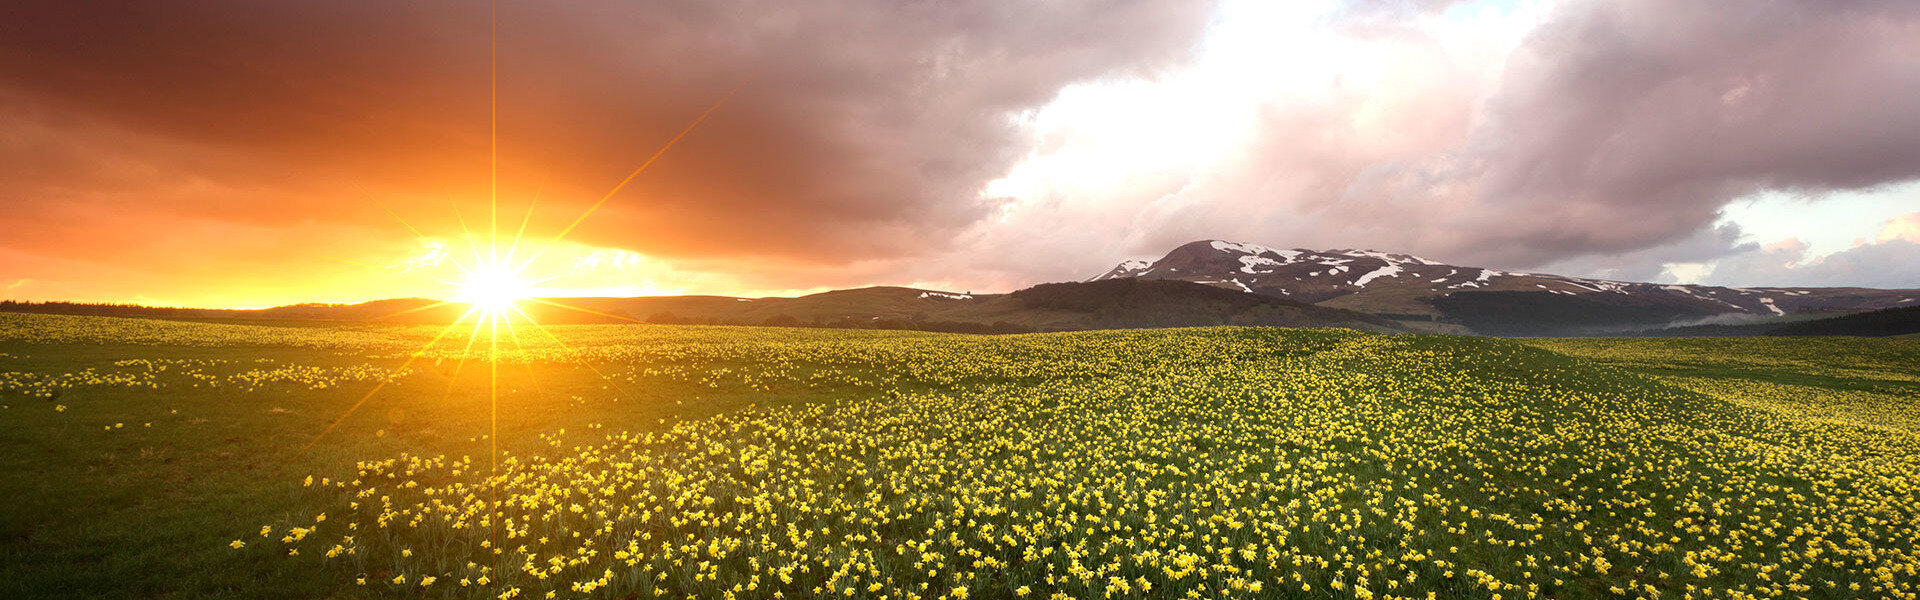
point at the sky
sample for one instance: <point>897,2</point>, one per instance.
<point>233,153</point>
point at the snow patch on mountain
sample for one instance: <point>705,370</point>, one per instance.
<point>1128,268</point>
<point>1240,247</point>
<point>1392,259</point>
<point>1390,270</point>
<point>1251,264</point>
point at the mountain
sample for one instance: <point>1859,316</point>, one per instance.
<point>1411,288</point>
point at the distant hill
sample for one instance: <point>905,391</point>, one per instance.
<point>398,309</point>
<point>1047,307</point>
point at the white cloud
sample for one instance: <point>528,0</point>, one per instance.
<point>1889,259</point>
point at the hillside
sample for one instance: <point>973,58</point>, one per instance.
<point>1889,322</point>
<point>1046,307</point>
<point>1126,304</point>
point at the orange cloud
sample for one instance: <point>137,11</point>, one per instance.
<point>1904,227</point>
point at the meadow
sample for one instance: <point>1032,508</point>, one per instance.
<point>152,458</point>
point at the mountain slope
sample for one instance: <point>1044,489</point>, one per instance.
<point>1047,307</point>
<point>1889,322</point>
<point>1489,300</point>
<point>1134,303</point>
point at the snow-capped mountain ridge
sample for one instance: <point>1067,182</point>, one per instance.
<point>1386,282</point>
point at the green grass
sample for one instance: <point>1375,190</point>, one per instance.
<point>1117,449</point>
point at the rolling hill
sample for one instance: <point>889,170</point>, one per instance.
<point>1072,306</point>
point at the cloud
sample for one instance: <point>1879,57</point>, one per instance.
<point>1621,125</point>
<point>1575,132</point>
<point>860,127</point>
<point>960,144</point>
<point>1904,227</point>
<point>1890,260</point>
<point>1892,264</point>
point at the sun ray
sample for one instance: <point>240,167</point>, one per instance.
<point>508,322</point>
<point>493,189</point>
<point>522,233</point>
<point>411,357</point>
<point>416,309</point>
<point>493,129</point>
<point>466,234</point>
<point>551,302</point>
<point>583,361</point>
<point>403,222</point>
<point>472,336</point>
<point>643,165</point>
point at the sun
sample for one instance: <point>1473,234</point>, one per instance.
<point>495,288</point>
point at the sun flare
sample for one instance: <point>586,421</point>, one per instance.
<point>495,288</point>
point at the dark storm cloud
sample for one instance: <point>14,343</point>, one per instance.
<point>859,126</point>
<point>1626,125</point>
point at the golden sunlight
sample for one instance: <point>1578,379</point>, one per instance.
<point>494,288</point>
